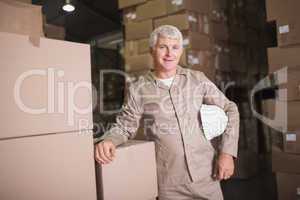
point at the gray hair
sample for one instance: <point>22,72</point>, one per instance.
<point>165,31</point>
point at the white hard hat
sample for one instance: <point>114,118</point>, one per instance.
<point>214,120</point>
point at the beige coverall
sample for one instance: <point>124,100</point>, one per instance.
<point>171,118</point>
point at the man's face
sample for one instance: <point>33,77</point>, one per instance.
<point>166,54</point>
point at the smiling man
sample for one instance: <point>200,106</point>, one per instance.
<point>169,99</point>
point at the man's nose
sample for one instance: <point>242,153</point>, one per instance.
<point>168,51</point>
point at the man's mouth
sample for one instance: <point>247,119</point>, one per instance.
<point>168,60</point>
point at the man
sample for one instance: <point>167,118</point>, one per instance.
<point>169,100</point>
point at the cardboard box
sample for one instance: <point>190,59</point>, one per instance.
<point>21,18</point>
<point>131,48</point>
<point>151,9</point>
<point>219,31</point>
<point>282,57</point>
<point>288,31</point>
<point>183,21</point>
<point>54,32</point>
<point>200,6</point>
<point>129,15</point>
<point>131,176</point>
<point>285,162</point>
<point>41,91</point>
<point>203,24</point>
<point>128,3</point>
<point>284,115</point>
<point>273,7</point>
<point>217,10</point>
<point>55,166</point>
<point>283,11</point>
<point>143,46</point>
<point>291,142</point>
<point>290,89</point>
<point>196,41</point>
<point>138,30</point>
<point>288,186</point>
<point>138,63</point>
<point>136,47</point>
<point>195,58</point>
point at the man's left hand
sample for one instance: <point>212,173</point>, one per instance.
<point>224,167</point>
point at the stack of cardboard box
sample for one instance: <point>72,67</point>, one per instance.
<point>284,109</point>
<point>46,142</point>
<point>202,23</point>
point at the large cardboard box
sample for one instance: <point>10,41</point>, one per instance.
<point>55,166</point>
<point>200,6</point>
<point>183,21</point>
<point>291,142</point>
<point>219,31</point>
<point>54,32</point>
<point>21,18</point>
<point>285,162</point>
<point>140,62</point>
<point>286,14</point>
<point>282,57</point>
<point>129,15</point>
<point>290,89</point>
<point>217,10</point>
<point>128,3</point>
<point>151,9</point>
<point>138,30</point>
<point>284,115</point>
<point>132,174</point>
<point>288,186</point>
<point>44,89</point>
<point>288,31</point>
<point>273,7</point>
<point>196,41</point>
<point>136,47</point>
<point>195,58</point>
<point>288,142</point>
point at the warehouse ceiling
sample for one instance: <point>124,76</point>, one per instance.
<point>91,18</point>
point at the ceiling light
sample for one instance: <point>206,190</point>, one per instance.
<point>68,6</point>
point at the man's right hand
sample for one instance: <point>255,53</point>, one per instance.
<point>105,152</point>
